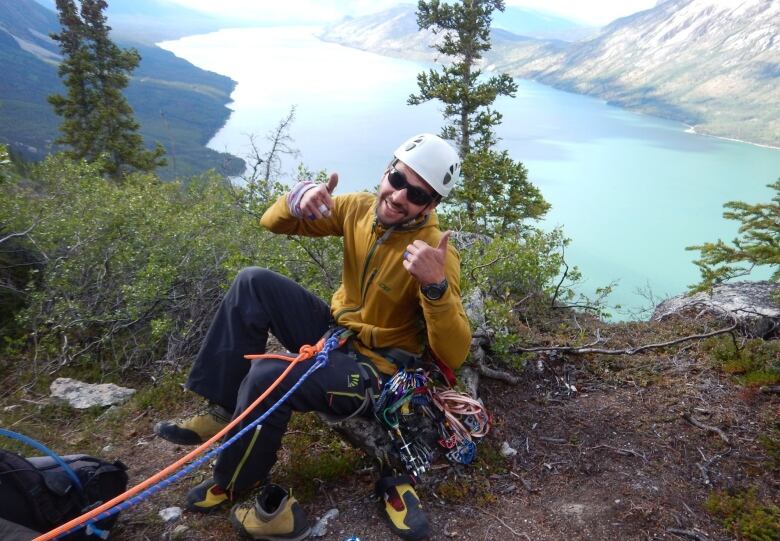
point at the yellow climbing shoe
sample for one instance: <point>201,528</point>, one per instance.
<point>207,497</point>
<point>195,430</point>
<point>402,508</point>
<point>275,516</point>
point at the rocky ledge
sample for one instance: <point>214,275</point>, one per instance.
<point>754,305</point>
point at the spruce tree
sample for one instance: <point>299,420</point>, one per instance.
<point>757,244</point>
<point>494,195</point>
<point>98,123</point>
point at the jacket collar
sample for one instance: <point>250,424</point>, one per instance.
<point>415,224</point>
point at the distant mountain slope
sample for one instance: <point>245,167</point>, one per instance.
<point>177,104</point>
<point>709,63</point>
<point>394,32</point>
<point>714,64</point>
<point>534,24</point>
<point>151,21</point>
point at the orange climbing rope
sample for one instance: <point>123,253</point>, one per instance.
<point>306,352</point>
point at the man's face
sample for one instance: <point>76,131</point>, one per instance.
<point>393,204</point>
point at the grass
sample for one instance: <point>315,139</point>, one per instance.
<point>87,430</point>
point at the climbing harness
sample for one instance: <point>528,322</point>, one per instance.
<point>413,395</point>
<point>173,473</point>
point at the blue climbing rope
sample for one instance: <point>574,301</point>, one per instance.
<point>321,359</point>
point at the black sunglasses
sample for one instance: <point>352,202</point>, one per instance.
<point>415,195</point>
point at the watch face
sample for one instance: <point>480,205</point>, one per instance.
<point>434,291</point>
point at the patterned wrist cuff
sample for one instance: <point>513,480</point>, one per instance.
<point>296,194</point>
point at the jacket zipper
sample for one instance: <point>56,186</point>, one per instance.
<point>364,286</point>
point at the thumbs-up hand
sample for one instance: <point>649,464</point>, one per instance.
<point>316,202</point>
<point>425,262</point>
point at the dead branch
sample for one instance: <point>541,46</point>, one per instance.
<point>770,389</point>
<point>489,263</point>
<point>690,534</point>
<point>492,373</point>
<point>695,422</point>
<point>565,273</point>
<point>469,379</point>
<point>20,233</point>
<point>318,261</point>
<point>525,483</point>
<point>704,467</point>
<point>620,451</point>
<point>280,144</point>
<point>478,356</point>
<point>573,350</point>
<point>507,526</point>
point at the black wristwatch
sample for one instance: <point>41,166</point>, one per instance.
<point>434,292</point>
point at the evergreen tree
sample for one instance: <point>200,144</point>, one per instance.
<point>494,195</point>
<point>758,243</point>
<point>98,123</point>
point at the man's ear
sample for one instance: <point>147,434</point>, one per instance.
<point>431,206</point>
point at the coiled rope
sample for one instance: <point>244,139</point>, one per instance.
<point>170,475</point>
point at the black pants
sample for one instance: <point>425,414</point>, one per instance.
<point>260,300</point>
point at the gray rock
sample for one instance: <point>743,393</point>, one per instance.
<point>321,528</point>
<point>507,450</point>
<point>169,514</point>
<point>82,395</point>
<point>751,303</point>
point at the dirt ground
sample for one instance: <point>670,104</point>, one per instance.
<point>621,458</point>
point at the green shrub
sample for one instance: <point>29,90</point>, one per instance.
<point>755,363</point>
<point>745,516</point>
<point>770,441</point>
<point>126,276</point>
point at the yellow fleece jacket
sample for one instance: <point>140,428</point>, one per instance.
<point>378,299</point>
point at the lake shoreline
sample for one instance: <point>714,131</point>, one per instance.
<point>693,130</point>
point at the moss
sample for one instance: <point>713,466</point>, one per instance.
<point>744,515</point>
<point>770,441</point>
<point>489,458</point>
<point>313,455</point>
<point>470,489</point>
<point>453,491</point>
<point>755,363</point>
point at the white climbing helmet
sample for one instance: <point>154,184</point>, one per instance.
<point>433,159</point>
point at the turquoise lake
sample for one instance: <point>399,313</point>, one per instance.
<point>631,191</point>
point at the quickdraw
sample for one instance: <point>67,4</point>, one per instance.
<point>458,419</point>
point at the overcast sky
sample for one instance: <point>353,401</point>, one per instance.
<point>591,12</point>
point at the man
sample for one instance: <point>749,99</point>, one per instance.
<point>400,289</point>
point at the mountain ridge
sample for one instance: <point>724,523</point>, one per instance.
<point>163,92</point>
<point>712,66</point>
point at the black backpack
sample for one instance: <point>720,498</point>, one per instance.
<point>39,494</point>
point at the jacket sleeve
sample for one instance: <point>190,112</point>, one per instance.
<point>449,332</point>
<point>278,219</point>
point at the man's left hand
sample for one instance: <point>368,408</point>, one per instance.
<point>425,262</point>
